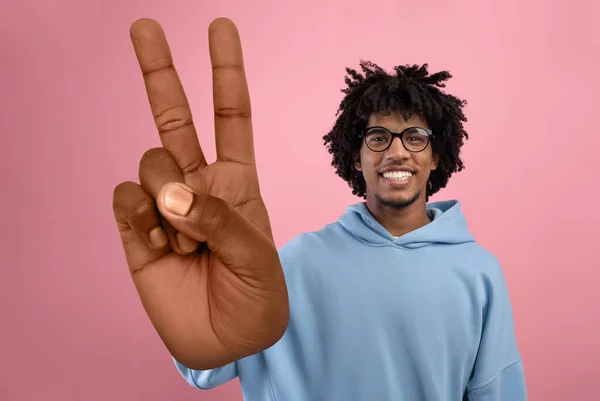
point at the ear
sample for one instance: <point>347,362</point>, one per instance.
<point>357,164</point>
<point>435,161</point>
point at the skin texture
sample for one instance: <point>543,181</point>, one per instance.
<point>398,209</point>
<point>210,280</point>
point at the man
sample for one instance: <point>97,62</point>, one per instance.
<point>395,301</point>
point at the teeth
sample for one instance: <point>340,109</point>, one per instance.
<point>397,175</point>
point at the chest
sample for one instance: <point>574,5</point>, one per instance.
<point>397,302</point>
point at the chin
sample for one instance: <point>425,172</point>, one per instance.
<point>397,201</point>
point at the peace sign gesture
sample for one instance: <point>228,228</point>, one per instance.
<point>197,236</point>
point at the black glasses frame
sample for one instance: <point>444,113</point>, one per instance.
<point>398,135</point>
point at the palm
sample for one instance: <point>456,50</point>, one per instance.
<point>213,302</point>
<point>205,283</point>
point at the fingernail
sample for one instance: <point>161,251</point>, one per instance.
<point>158,237</point>
<point>178,199</point>
<point>186,244</point>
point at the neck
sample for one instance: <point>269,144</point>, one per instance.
<point>399,221</point>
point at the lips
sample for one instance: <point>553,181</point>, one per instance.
<point>397,168</point>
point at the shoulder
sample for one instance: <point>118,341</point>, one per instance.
<point>311,239</point>
<point>488,272</point>
<point>477,257</point>
<point>476,264</point>
<point>305,246</point>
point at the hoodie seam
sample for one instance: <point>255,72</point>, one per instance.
<point>391,243</point>
<point>495,377</point>
<point>424,235</point>
<point>366,242</point>
<point>268,378</point>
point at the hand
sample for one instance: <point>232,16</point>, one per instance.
<point>197,237</point>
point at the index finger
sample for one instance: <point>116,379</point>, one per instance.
<point>233,120</point>
<point>167,98</point>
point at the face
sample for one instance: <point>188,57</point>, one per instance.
<point>395,178</point>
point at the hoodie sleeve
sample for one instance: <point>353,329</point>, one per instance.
<point>207,379</point>
<point>498,373</point>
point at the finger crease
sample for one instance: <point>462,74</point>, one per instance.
<point>173,125</point>
<point>161,64</point>
<point>139,269</point>
<point>192,167</point>
<point>227,67</point>
<point>245,201</point>
<point>222,158</point>
<point>232,113</point>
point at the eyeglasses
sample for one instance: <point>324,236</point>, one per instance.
<point>414,139</point>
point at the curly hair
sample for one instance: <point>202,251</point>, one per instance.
<point>411,89</point>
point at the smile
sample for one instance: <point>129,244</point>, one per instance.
<point>397,175</point>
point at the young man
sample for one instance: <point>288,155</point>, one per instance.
<point>394,301</point>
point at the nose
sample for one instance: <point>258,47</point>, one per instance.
<point>397,150</point>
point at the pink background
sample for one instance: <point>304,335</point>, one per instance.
<point>75,121</point>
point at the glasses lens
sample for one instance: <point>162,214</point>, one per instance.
<point>415,139</point>
<point>378,139</point>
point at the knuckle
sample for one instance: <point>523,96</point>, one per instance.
<point>154,157</point>
<point>214,213</point>
<point>120,193</point>
<point>124,195</point>
<point>152,154</point>
<point>142,216</point>
<point>130,200</point>
<point>144,209</point>
<point>155,163</point>
<point>173,119</point>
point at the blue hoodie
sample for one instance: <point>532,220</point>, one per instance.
<point>422,317</point>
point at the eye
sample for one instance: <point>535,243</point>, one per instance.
<point>378,135</point>
<point>414,136</point>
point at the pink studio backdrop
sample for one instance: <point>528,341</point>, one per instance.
<point>75,122</point>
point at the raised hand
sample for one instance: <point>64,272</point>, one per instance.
<point>197,237</point>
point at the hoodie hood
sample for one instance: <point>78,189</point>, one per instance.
<point>448,226</point>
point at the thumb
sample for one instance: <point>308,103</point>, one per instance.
<point>207,218</point>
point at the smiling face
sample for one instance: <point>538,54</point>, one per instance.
<point>395,178</point>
